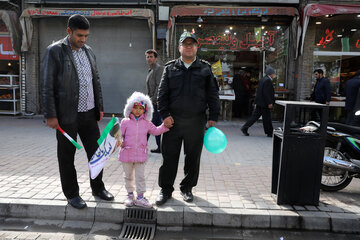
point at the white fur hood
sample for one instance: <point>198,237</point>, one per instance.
<point>138,97</point>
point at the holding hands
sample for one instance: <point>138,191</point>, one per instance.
<point>169,122</point>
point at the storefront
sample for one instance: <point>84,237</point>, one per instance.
<point>118,36</point>
<point>333,33</point>
<point>235,40</point>
<point>9,64</point>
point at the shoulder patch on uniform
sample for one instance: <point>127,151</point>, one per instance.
<point>204,61</point>
<point>169,62</point>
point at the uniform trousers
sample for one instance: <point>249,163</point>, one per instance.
<point>88,130</point>
<point>266,117</point>
<point>189,131</point>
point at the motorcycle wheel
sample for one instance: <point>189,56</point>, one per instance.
<point>334,179</point>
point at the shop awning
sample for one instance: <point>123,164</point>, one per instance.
<point>27,27</point>
<point>220,11</point>
<point>6,50</point>
<point>317,10</point>
<point>11,21</point>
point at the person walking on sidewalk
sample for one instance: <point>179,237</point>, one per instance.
<point>264,101</point>
<point>134,149</point>
<point>152,84</point>
<point>72,98</point>
<point>187,89</point>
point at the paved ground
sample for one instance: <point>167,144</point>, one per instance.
<point>234,183</point>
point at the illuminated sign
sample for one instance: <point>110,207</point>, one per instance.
<point>328,38</point>
<point>248,42</point>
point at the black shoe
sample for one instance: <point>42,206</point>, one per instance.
<point>269,135</point>
<point>162,198</point>
<point>77,202</point>
<point>187,196</point>
<point>155,150</point>
<point>244,131</point>
<point>104,195</point>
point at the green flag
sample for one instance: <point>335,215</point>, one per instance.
<point>106,130</point>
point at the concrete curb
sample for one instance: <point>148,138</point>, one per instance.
<point>177,217</point>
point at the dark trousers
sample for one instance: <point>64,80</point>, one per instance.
<point>88,130</point>
<point>189,131</point>
<point>157,121</point>
<point>266,117</point>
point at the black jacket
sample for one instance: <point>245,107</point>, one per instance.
<point>60,83</point>
<point>322,92</point>
<point>352,87</point>
<point>188,92</point>
<point>265,92</point>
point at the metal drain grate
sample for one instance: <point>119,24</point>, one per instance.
<point>139,223</point>
<point>137,231</point>
<point>140,215</point>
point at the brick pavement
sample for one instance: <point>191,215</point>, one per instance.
<point>234,183</point>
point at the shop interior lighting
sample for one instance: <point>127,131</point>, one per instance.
<point>262,27</point>
<point>358,15</point>
<point>235,33</point>
<point>339,35</point>
<point>199,20</point>
<point>231,28</point>
<point>199,25</point>
<point>278,27</point>
<point>318,23</point>
<point>327,15</point>
<point>353,30</point>
<point>227,31</point>
<point>9,64</point>
<point>185,30</point>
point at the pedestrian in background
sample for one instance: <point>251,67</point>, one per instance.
<point>187,89</point>
<point>134,149</point>
<point>241,85</point>
<point>72,98</point>
<point>153,79</point>
<point>352,88</point>
<point>321,93</point>
<point>264,101</point>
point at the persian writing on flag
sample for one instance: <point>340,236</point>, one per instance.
<point>106,147</point>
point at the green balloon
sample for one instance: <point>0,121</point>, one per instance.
<point>215,140</point>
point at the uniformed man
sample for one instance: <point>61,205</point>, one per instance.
<point>187,89</point>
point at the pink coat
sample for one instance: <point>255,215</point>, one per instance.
<point>134,133</point>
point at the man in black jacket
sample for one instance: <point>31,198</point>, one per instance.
<point>72,99</point>
<point>352,87</point>
<point>264,101</point>
<point>186,90</point>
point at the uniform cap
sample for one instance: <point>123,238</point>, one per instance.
<point>186,35</point>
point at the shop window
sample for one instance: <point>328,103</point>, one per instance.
<point>233,49</point>
<point>337,49</point>
<point>338,69</point>
<point>340,33</point>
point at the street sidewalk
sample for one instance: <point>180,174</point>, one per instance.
<point>233,188</point>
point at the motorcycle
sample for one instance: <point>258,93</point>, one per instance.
<point>341,156</point>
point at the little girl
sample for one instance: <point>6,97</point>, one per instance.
<point>134,150</point>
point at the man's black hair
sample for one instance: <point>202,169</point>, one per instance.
<point>78,22</point>
<point>319,71</point>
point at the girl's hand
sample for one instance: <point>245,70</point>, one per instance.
<point>119,143</point>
